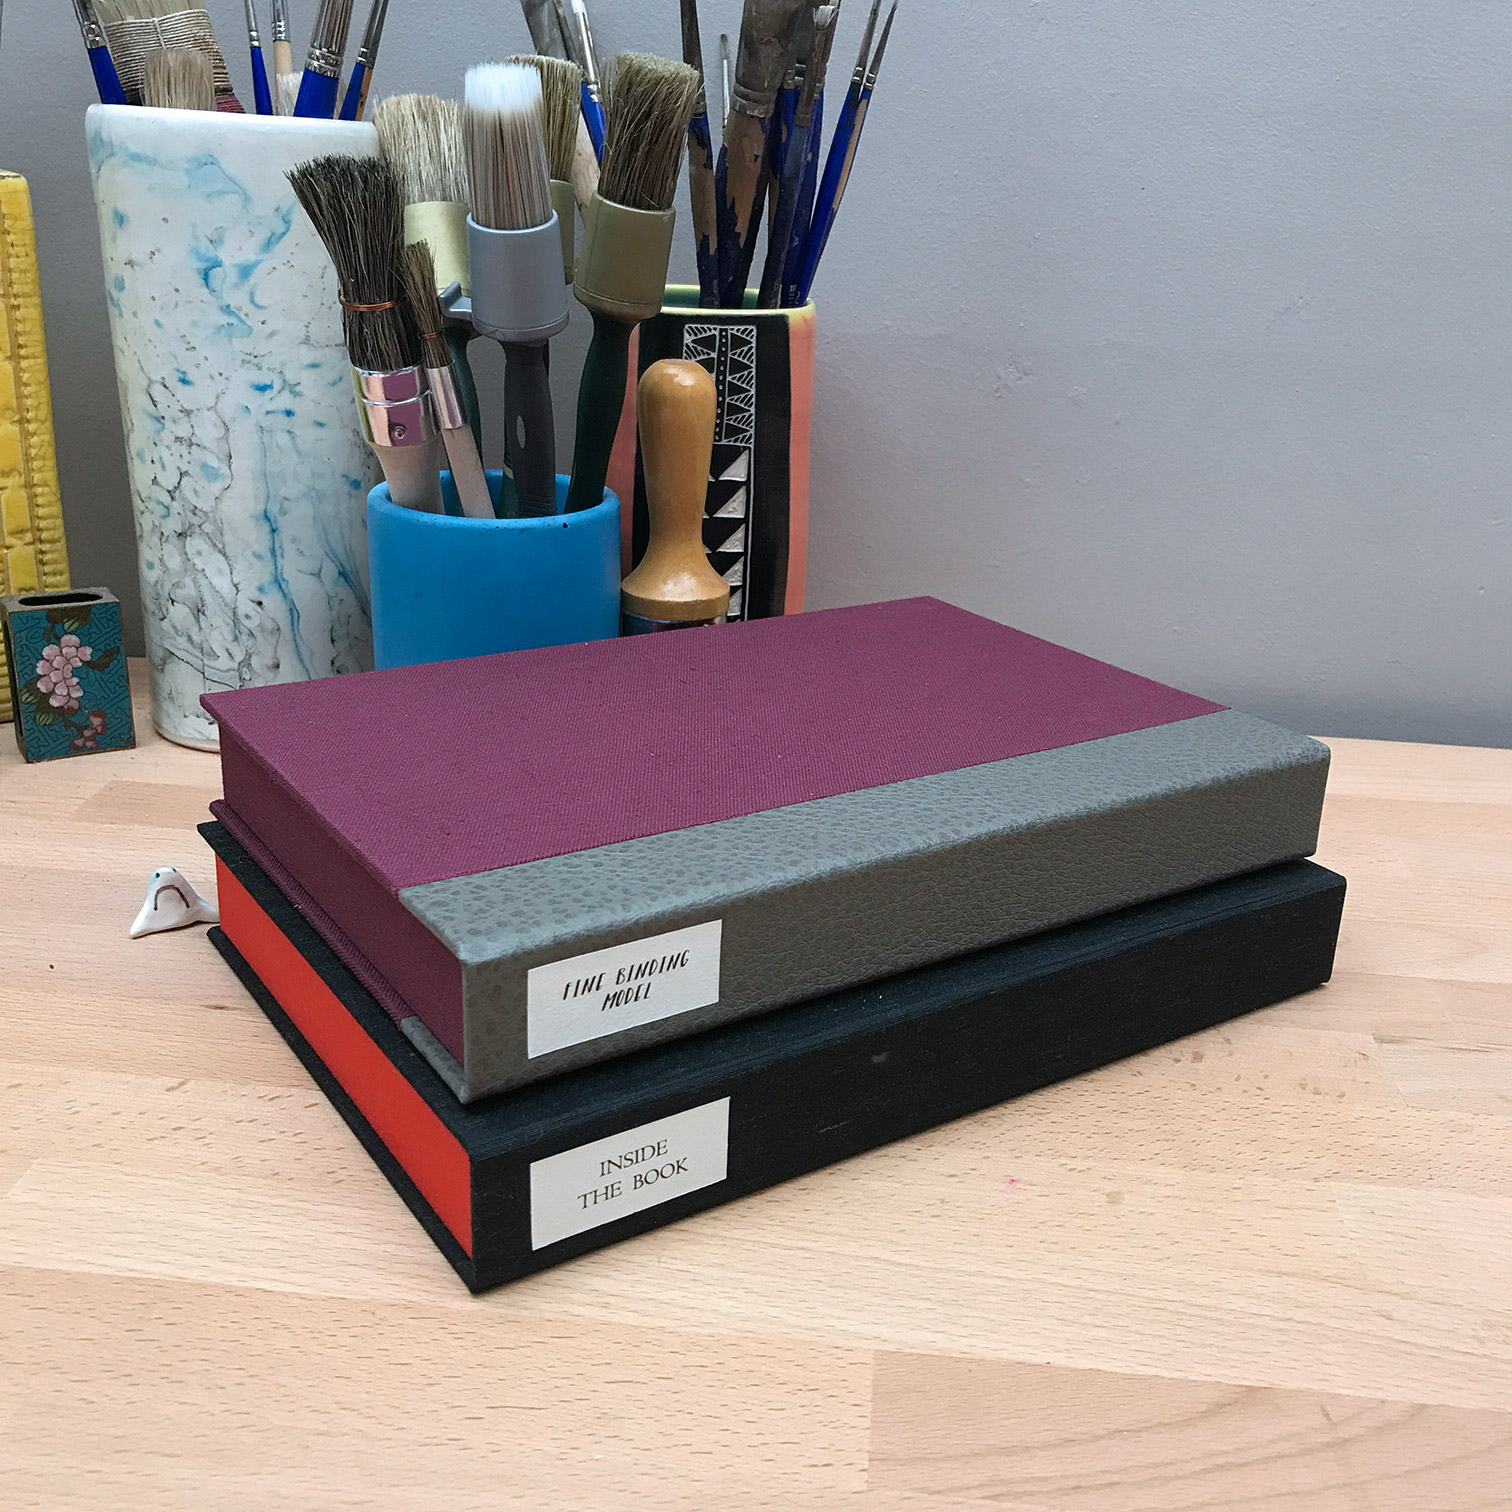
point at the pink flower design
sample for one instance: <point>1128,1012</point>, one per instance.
<point>57,678</point>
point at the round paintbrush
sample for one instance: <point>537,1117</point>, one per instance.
<point>561,110</point>
<point>515,252</point>
<point>419,278</point>
<point>421,137</point>
<point>178,78</point>
<point>627,240</point>
<point>358,210</point>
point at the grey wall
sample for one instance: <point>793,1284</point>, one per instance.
<point>1178,332</point>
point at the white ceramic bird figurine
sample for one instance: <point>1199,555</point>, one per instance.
<point>171,903</point>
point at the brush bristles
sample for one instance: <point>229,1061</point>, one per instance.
<point>648,103</point>
<point>561,107</point>
<point>503,137</point>
<point>178,78</point>
<point>114,12</point>
<point>418,275</point>
<point>421,136</point>
<point>358,211</point>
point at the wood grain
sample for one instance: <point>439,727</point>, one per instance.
<point>1269,1267</point>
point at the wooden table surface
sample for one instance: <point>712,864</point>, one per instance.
<point>1269,1267</point>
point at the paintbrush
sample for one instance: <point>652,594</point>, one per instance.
<point>724,81</point>
<point>355,100</point>
<point>515,252</point>
<point>587,60</point>
<point>803,215</point>
<point>545,30</point>
<point>177,78</point>
<point>285,79</point>
<point>701,165</point>
<point>794,161</point>
<point>322,69</point>
<point>107,81</point>
<point>627,241</point>
<point>842,153</point>
<point>358,210</point>
<point>560,83</point>
<point>262,96</point>
<point>137,27</point>
<point>552,32</point>
<point>420,136</point>
<point>674,586</point>
<point>419,277</point>
<point>740,179</point>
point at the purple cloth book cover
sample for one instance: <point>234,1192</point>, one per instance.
<point>461,824</point>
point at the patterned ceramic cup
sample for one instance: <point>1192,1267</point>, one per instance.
<point>756,517</point>
<point>249,476</point>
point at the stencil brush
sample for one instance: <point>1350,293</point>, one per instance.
<point>322,70</point>
<point>842,153</point>
<point>355,100</point>
<point>627,241</point>
<point>515,252</point>
<point>740,179</point>
<point>701,165</point>
<point>420,136</point>
<point>419,275</point>
<point>358,210</point>
<point>285,79</point>
<point>560,83</point>
<point>177,78</point>
<point>107,81</point>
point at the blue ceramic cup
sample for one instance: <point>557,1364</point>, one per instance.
<point>446,587</point>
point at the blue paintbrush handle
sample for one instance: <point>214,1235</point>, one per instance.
<point>593,115</point>
<point>317,96</point>
<point>803,218</point>
<point>832,188</point>
<point>107,80</point>
<point>262,96</point>
<point>352,102</point>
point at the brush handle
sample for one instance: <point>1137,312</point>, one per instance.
<point>457,338</point>
<point>351,103</point>
<point>283,57</point>
<point>601,397</point>
<point>467,474</point>
<point>827,196</point>
<point>674,584</point>
<point>107,80</point>
<point>593,118</point>
<point>740,188</point>
<point>262,96</point>
<point>819,235</point>
<point>530,427</point>
<point>705,216</point>
<point>317,96</point>
<point>413,474</point>
<point>803,218</point>
<point>784,218</point>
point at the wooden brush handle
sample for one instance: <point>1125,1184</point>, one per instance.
<point>674,582</point>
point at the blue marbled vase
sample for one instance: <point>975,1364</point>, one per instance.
<point>249,475</point>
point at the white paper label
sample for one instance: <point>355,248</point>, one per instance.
<point>589,996</point>
<point>627,1173</point>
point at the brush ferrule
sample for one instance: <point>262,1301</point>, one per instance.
<point>442,224</point>
<point>622,264</point>
<point>762,58</point>
<point>451,413</point>
<point>281,21</point>
<point>517,290</point>
<point>323,60</point>
<point>395,407</point>
<point>89,25</point>
<point>564,202</point>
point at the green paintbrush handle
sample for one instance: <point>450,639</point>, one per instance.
<point>601,399</point>
<point>457,337</point>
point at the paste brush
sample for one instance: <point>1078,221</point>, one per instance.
<point>515,252</point>
<point>420,136</point>
<point>358,210</point>
<point>419,274</point>
<point>627,241</point>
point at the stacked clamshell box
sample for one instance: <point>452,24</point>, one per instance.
<point>585,939</point>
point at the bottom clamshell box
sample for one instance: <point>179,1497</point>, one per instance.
<point>527,1179</point>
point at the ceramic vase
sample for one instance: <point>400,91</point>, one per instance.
<point>756,514</point>
<point>249,477</point>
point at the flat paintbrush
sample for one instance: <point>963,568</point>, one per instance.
<point>842,153</point>
<point>740,178</point>
<point>419,274</point>
<point>627,241</point>
<point>421,138</point>
<point>515,253</point>
<point>701,165</point>
<point>177,78</point>
<point>358,210</point>
<point>322,69</point>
